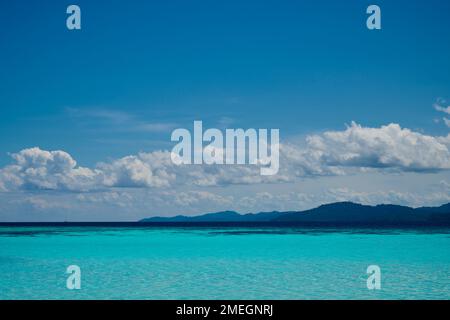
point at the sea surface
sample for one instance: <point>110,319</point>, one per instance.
<point>223,262</point>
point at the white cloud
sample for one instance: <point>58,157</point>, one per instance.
<point>143,170</point>
<point>442,109</point>
<point>389,146</point>
<point>40,203</point>
<point>439,106</point>
<point>117,120</point>
<point>329,153</point>
<point>447,121</point>
<point>39,169</point>
<point>190,198</point>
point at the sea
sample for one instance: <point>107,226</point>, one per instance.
<point>220,261</point>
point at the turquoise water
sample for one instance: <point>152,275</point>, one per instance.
<point>222,263</point>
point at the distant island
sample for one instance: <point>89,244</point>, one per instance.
<point>333,213</point>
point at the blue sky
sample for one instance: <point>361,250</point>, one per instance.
<point>136,70</point>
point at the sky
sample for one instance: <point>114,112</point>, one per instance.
<point>86,115</point>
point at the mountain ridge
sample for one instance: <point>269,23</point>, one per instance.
<point>337,212</point>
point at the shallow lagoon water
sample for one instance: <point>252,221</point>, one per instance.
<point>223,262</point>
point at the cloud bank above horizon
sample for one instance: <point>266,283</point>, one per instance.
<point>345,152</point>
<point>415,165</point>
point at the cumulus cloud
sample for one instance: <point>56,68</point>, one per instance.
<point>329,153</point>
<point>389,146</point>
<point>36,169</point>
<point>40,169</point>
<point>143,170</point>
